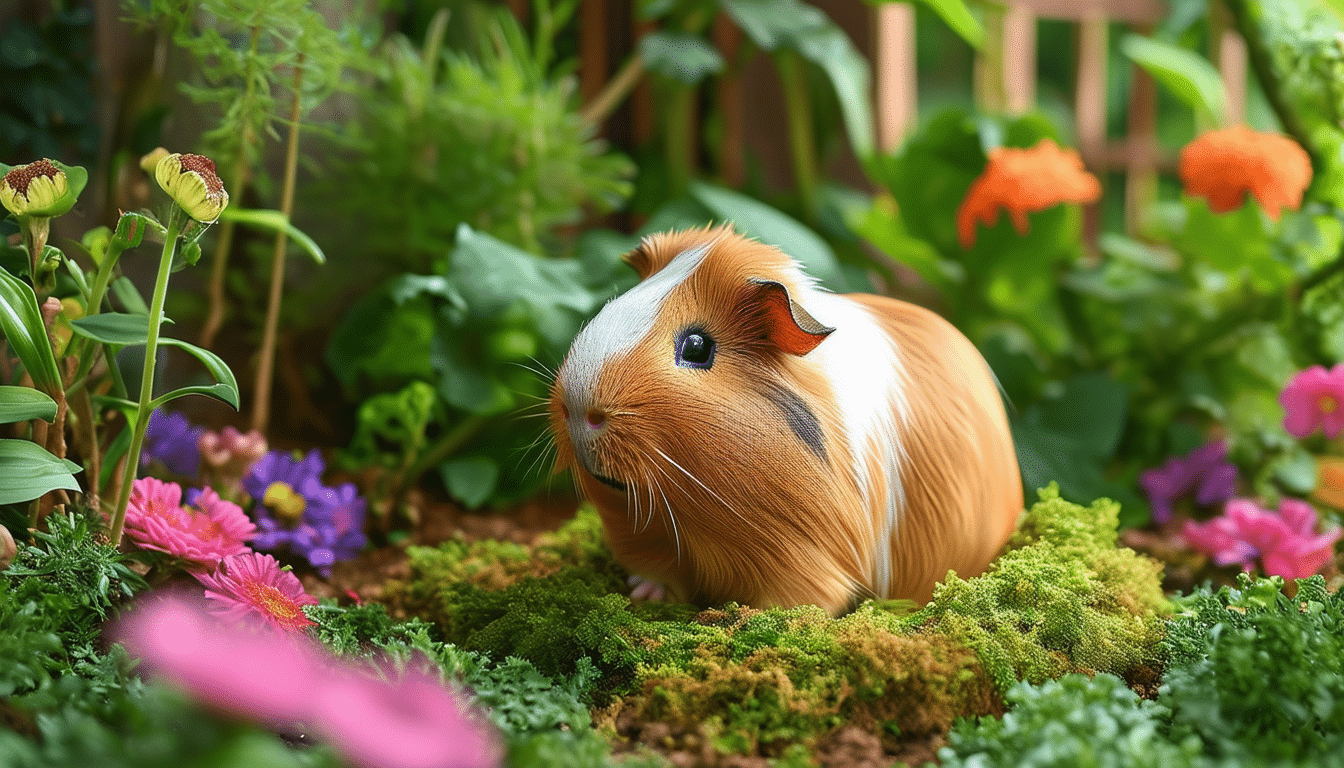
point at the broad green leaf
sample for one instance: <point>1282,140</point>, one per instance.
<point>471,479</point>
<point>24,403</point>
<point>1091,410</point>
<point>27,471</point>
<point>21,321</point>
<point>116,328</point>
<point>222,392</point>
<point>129,297</point>
<point>957,16</point>
<point>681,56</point>
<point>1189,76</point>
<point>227,387</point>
<point>755,219</point>
<point>275,221</point>
<point>791,24</point>
<point>882,226</point>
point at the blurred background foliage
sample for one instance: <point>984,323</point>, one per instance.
<point>474,204</point>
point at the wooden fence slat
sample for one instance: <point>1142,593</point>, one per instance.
<point>1129,11</point>
<point>896,77</point>
<point>732,147</point>
<point>594,62</point>
<point>1019,59</point>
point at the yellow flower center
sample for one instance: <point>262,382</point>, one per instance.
<point>269,599</point>
<point>1328,404</point>
<point>287,503</point>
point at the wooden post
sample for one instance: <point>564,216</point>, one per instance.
<point>732,145</point>
<point>594,64</point>
<point>1141,149</point>
<point>1019,59</point>
<point>896,77</point>
<point>1090,110</point>
<point>1227,51</point>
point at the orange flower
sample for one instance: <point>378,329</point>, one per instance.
<point>1224,165</point>
<point>1021,181</point>
<point>1329,481</point>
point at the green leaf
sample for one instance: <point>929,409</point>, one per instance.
<point>21,321</point>
<point>882,226</point>
<point>776,24</point>
<point>957,16</point>
<point>471,480</point>
<point>681,56</point>
<point>755,219</point>
<point>225,390</point>
<point>129,297</point>
<point>27,471</point>
<point>116,328</point>
<point>224,393</point>
<point>274,221</point>
<point>1189,76</point>
<point>24,403</point>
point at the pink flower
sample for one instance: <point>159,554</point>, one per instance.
<point>156,519</point>
<point>228,455</point>
<point>1314,398</point>
<point>252,585</point>
<point>259,675</point>
<point>411,722</point>
<point>1286,543</point>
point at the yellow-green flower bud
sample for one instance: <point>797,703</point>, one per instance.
<point>36,189</point>
<point>193,184</point>
<point>149,163</point>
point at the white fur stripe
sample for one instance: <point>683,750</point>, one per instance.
<point>622,323</point>
<point>863,365</point>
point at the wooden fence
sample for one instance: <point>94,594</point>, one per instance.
<point>1004,80</point>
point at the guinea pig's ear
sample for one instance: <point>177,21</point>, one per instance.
<point>788,326</point>
<point>639,259</point>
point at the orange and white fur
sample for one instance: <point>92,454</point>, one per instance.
<point>748,436</point>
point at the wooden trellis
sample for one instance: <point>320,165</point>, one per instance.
<point>1005,78</point>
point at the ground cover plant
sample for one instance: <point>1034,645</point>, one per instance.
<point>190,581</point>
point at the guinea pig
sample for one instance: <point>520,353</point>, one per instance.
<point>748,436</point>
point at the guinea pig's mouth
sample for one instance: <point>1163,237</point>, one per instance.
<point>608,481</point>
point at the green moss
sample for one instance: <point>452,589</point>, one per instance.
<point>1062,599</point>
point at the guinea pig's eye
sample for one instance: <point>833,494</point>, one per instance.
<point>695,349</point>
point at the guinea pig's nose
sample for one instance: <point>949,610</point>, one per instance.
<point>597,418</point>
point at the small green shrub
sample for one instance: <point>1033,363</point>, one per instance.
<point>1067,723</point>
<point>1257,675</point>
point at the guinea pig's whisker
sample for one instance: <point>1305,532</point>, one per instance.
<point>540,370</point>
<point>709,490</point>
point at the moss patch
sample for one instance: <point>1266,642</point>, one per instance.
<point>735,680</point>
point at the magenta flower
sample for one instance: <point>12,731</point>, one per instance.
<point>156,519</point>
<point>1204,470</point>
<point>283,680</point>
<point>263,676</point>
<point>410,722</point>
<point>1286,543</point>
<point>1314,398</point>
<point>252,585</point>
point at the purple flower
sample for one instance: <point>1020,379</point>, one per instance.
<point>294,509</point>
<point>171,439</point>
<point>1286,543</point>
<point>1204,471</point>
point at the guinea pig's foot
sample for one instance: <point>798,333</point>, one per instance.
<point>646,589</point>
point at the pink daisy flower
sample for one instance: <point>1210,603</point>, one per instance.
<point>258,675</point>
<point>252,585</point>
<point>408,722</point>
<point>1286,543</point>
<point>1314,398</point>
<point>156,519</point>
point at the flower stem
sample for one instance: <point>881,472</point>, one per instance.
<point>801,141</point>
<point>142,413</point>
<point>261,391</point>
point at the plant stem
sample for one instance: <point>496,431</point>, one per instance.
<point>261,392</point>
<point>679,138</point>
<point>445,446</point>
<point>224,239</point>
<point>801,142</point>
<point>175,223</point>
<point>614,92</point>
